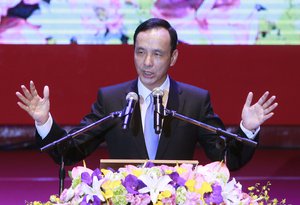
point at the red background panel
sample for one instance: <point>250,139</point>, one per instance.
<point>74,74</point>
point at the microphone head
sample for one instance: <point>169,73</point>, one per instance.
<point>132,95</point>
<point>157,92</point>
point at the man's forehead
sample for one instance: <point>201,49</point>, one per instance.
<point>156,36</point>
<point>157,31</point>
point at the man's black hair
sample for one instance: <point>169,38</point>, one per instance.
<point>157,23</point>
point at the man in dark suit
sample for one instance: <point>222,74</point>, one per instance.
<point>154,53</point>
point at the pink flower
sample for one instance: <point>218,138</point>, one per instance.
<point>139,199</point>
<point>76,171</point>
<point>193,198</point>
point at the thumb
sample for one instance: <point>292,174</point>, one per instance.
<point>46,92</point>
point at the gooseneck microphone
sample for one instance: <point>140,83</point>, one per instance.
<point>131,99</point>
<point>158,109</point>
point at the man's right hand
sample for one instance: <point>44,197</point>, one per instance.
<point>38,108</point>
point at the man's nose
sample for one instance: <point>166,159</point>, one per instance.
<point>148,60</point>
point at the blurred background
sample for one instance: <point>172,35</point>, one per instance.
<point>203,22</point>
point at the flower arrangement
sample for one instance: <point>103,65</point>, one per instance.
<point>183,184</point>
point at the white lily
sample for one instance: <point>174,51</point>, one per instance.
<point>232,192</point>
<point>67,195</point>
<point>95,189</point>
<point>154,185</point>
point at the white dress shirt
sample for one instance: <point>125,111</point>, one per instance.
<point>145,95</point>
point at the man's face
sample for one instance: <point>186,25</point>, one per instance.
<point>152,56</point>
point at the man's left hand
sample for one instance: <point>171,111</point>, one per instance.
<point>255,115</point>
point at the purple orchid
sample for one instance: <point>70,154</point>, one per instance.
<point>176,180</point>
<point>111,169</point>
<point>149,164</point>
<point>95,201</point>
<point>132,184</point>
<point>97,173</point>
<point>86,178</point>
<point>214,197</point>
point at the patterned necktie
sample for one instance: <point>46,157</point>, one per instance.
<point>151,138</point>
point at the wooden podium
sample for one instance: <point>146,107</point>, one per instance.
<point>117,163</point>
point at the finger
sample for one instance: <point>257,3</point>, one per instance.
<point>269,102</point>
<point>24,107</point>
<point>46,93</point>
<point>33,89</point>
<point>270,108</point>
<point>263,98</point>
<point>268,116</point>
<point>249,99</point>
<point>26,92</point>
<point>22,98</point>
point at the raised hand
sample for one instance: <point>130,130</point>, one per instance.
<point>38,108</point>
<point>255,115</point>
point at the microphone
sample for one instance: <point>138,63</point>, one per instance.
<point>158,109</point>
<point>131,98</point>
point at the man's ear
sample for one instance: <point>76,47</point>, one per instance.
<point>174,57</point>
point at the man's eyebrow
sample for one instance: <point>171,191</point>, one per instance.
<point>139,48</point>
<point>158,50</point>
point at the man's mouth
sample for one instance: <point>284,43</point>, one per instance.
<point>148,74</point>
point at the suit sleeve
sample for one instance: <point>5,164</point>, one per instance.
<point>78,148</point>
<point>237,153</point>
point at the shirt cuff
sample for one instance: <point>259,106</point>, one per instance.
<point>44,129</point>
<point>251,135</point>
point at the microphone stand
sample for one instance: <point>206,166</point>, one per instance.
<point>61,142</point>
<point>223,134</point>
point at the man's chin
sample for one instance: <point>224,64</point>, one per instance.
<point>149,83</point>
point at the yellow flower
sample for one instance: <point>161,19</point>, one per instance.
<point>108,193</point>
<point>205,188</point>
<point>137,172</point>
<point>275,201</point>
<point>105,171</point>
<point>111,184</point>
<point>54,198</point>
<point>190,184</point>
<point>164,194</point>
<point>168,171</point>
<point>180,170</point>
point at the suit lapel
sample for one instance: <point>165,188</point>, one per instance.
<point>169,126</point>
<point>136,124</point>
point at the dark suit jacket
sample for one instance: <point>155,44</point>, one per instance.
<point>178,138</point>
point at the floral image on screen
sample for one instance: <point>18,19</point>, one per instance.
<point>198,22</point>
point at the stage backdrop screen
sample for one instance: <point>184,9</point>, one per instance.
<point>199,22</point>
